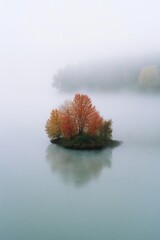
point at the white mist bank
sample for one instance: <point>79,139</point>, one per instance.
<point>138,74</point>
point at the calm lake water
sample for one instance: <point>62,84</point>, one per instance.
<point>51,193</point>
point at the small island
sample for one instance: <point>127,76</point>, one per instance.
<point>78,125</point>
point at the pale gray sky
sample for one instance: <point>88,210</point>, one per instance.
<point>39,36</point>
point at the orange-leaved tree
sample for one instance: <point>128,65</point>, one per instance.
<point>86,117</point>
<point>94,124</point>
<point>76,118</point>
<point>68,126</point>
<point>53,125</point>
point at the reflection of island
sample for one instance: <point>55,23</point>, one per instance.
<point>76,166</point>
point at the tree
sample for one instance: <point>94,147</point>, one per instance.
<point>76,118</point>
<point>105,130</point>
<point>94,124</point>
<point>86,117</point>
<point>53,125</point>
<point>68,126</point>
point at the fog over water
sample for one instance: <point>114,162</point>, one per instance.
<point>49,51</point>
<point>140,75</point>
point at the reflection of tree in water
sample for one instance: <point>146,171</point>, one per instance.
<point>78,167</point>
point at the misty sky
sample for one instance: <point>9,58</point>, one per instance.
<point>38,37</point>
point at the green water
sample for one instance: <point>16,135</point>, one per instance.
<point>47,192</point>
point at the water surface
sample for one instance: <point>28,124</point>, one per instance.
<point>51,193</point>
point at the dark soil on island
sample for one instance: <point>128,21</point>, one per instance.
<point>86,143</point>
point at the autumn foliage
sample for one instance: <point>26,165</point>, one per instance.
<point>68,124</point>
<point>53,125</point>
<point>76,118</point>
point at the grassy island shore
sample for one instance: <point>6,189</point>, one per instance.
<point>86,143</point>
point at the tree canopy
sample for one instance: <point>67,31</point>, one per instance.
<point>77,118</point>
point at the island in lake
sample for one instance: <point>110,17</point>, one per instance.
<point>78,125</point>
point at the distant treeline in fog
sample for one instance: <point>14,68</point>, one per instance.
<point>139,75</point>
